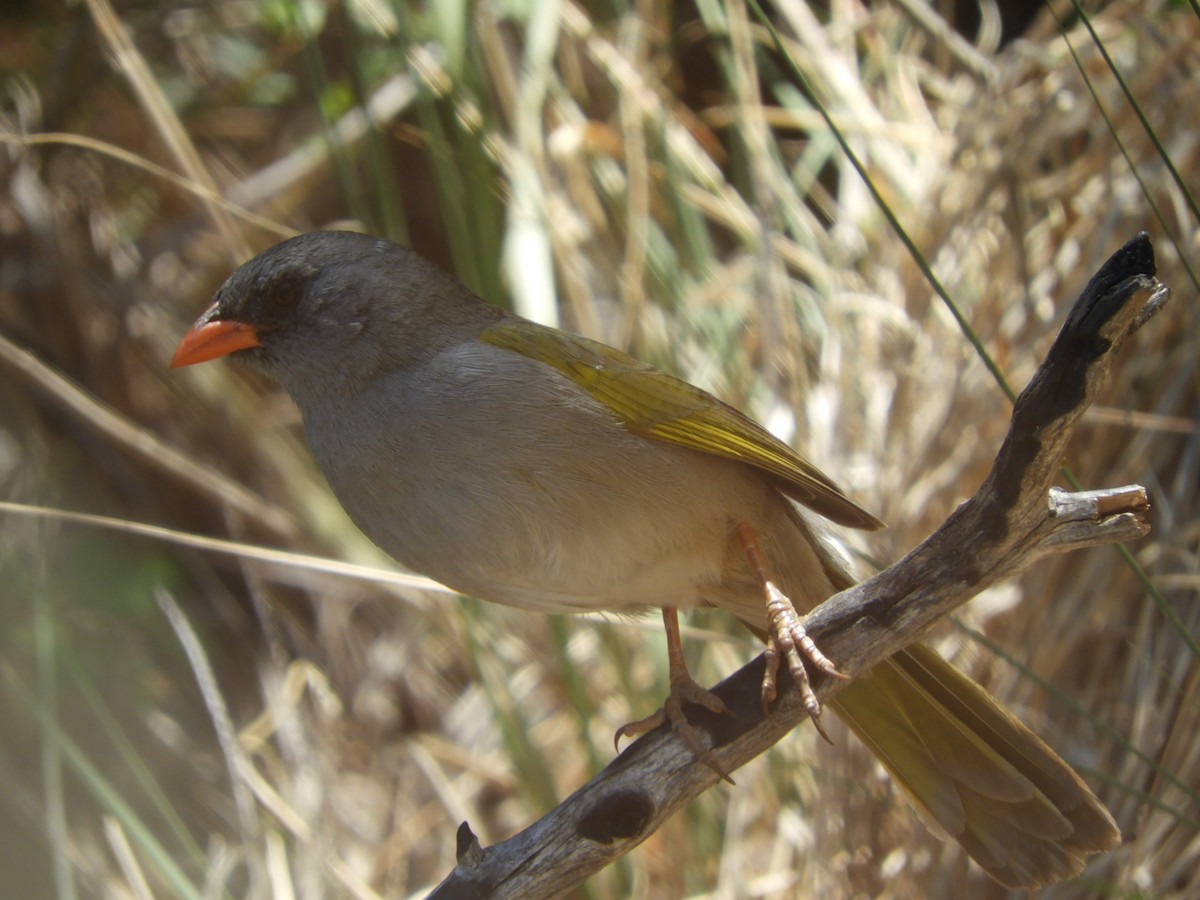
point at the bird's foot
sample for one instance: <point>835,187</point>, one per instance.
<point>787,639</point>
<point>683,690</point>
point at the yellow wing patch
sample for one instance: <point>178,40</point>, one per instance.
<point>656,405</point>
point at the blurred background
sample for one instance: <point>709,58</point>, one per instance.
<point>190,720</point>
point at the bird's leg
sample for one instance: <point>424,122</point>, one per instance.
<point>684,689</point>
<point>786,636</point>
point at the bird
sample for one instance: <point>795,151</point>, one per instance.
<point>532,467</point>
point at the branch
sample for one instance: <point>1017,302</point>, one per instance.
<point>1015,519</point>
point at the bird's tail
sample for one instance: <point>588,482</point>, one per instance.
<point>974,772</point>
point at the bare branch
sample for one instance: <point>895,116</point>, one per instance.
<point>1015,519</point>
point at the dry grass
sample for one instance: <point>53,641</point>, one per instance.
<point>654,180</point>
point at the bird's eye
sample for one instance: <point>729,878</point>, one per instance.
<point>283,292</point>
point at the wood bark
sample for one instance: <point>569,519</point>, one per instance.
<point>1016,518</point>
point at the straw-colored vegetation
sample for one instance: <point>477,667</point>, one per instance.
<point>651,175</point>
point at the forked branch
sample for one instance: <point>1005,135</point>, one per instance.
<point>1016,518</point>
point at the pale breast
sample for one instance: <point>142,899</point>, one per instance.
<point>494,475</point>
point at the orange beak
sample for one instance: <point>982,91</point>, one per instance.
<point>212,339</point>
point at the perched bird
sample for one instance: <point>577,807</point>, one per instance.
<point>535,468</point>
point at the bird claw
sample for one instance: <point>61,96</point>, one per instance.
<point>683,690</point>
<point>788,640</point>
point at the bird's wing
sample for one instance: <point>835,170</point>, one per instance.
<point>656,405</point>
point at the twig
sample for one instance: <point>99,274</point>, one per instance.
<point>1015,519</point>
